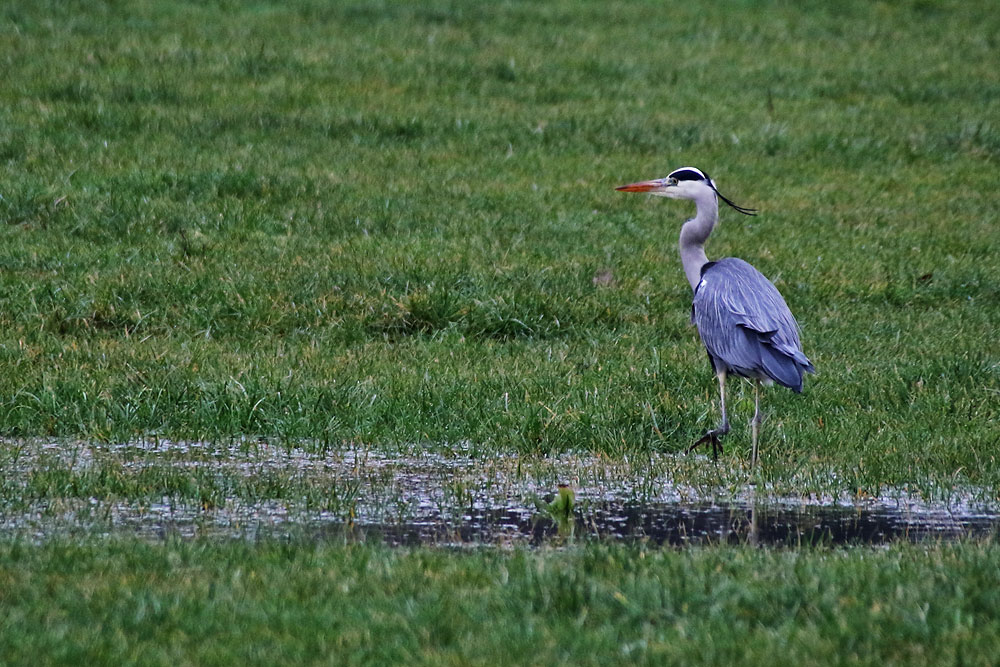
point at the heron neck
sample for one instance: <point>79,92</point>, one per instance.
<point>694,233</point>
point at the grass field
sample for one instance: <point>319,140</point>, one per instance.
<point>223,603</point>
<point>393,225</point>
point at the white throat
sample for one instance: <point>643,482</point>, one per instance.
<point>695,232</point>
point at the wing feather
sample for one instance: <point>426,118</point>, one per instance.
<point>746,325</point>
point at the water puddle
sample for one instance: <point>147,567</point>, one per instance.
<point>664,524</point>
<point>251,491</point>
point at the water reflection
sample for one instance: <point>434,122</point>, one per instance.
<point>693,524</point>
<point>542,523</point>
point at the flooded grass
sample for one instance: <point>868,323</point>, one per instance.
<point>279,555</point>
<point>251,489</point>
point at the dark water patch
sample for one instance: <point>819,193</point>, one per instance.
<point>680,525</point>
<point>653,524</point>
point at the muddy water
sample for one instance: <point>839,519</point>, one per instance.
<point>459,498</point>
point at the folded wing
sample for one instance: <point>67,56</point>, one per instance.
<point>746,325</point>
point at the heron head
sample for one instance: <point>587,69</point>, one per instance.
<point>683,183</point>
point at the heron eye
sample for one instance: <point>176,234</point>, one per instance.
<point>671,181</point>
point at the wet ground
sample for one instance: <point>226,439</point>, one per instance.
<point>450,499</point>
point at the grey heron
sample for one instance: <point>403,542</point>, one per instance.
<point>742,319</point>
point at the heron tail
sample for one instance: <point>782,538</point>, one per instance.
<point>781,368</point>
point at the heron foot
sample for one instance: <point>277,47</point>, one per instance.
<point>713,437</point>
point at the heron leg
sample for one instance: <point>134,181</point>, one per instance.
<point>714,436</point>
<point>755,423</point>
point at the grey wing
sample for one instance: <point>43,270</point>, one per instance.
<point>746,325</point>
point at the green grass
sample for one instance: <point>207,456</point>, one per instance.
<point>379,223</point>
<point>376,223</point>
<point>224,602</point>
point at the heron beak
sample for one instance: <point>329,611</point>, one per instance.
<point>642,186</point>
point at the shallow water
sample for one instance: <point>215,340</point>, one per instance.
<point>458,498</point>
<point>673,524</point>
<point>682,525</point>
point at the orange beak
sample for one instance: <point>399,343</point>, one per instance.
<point>642,186</point>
